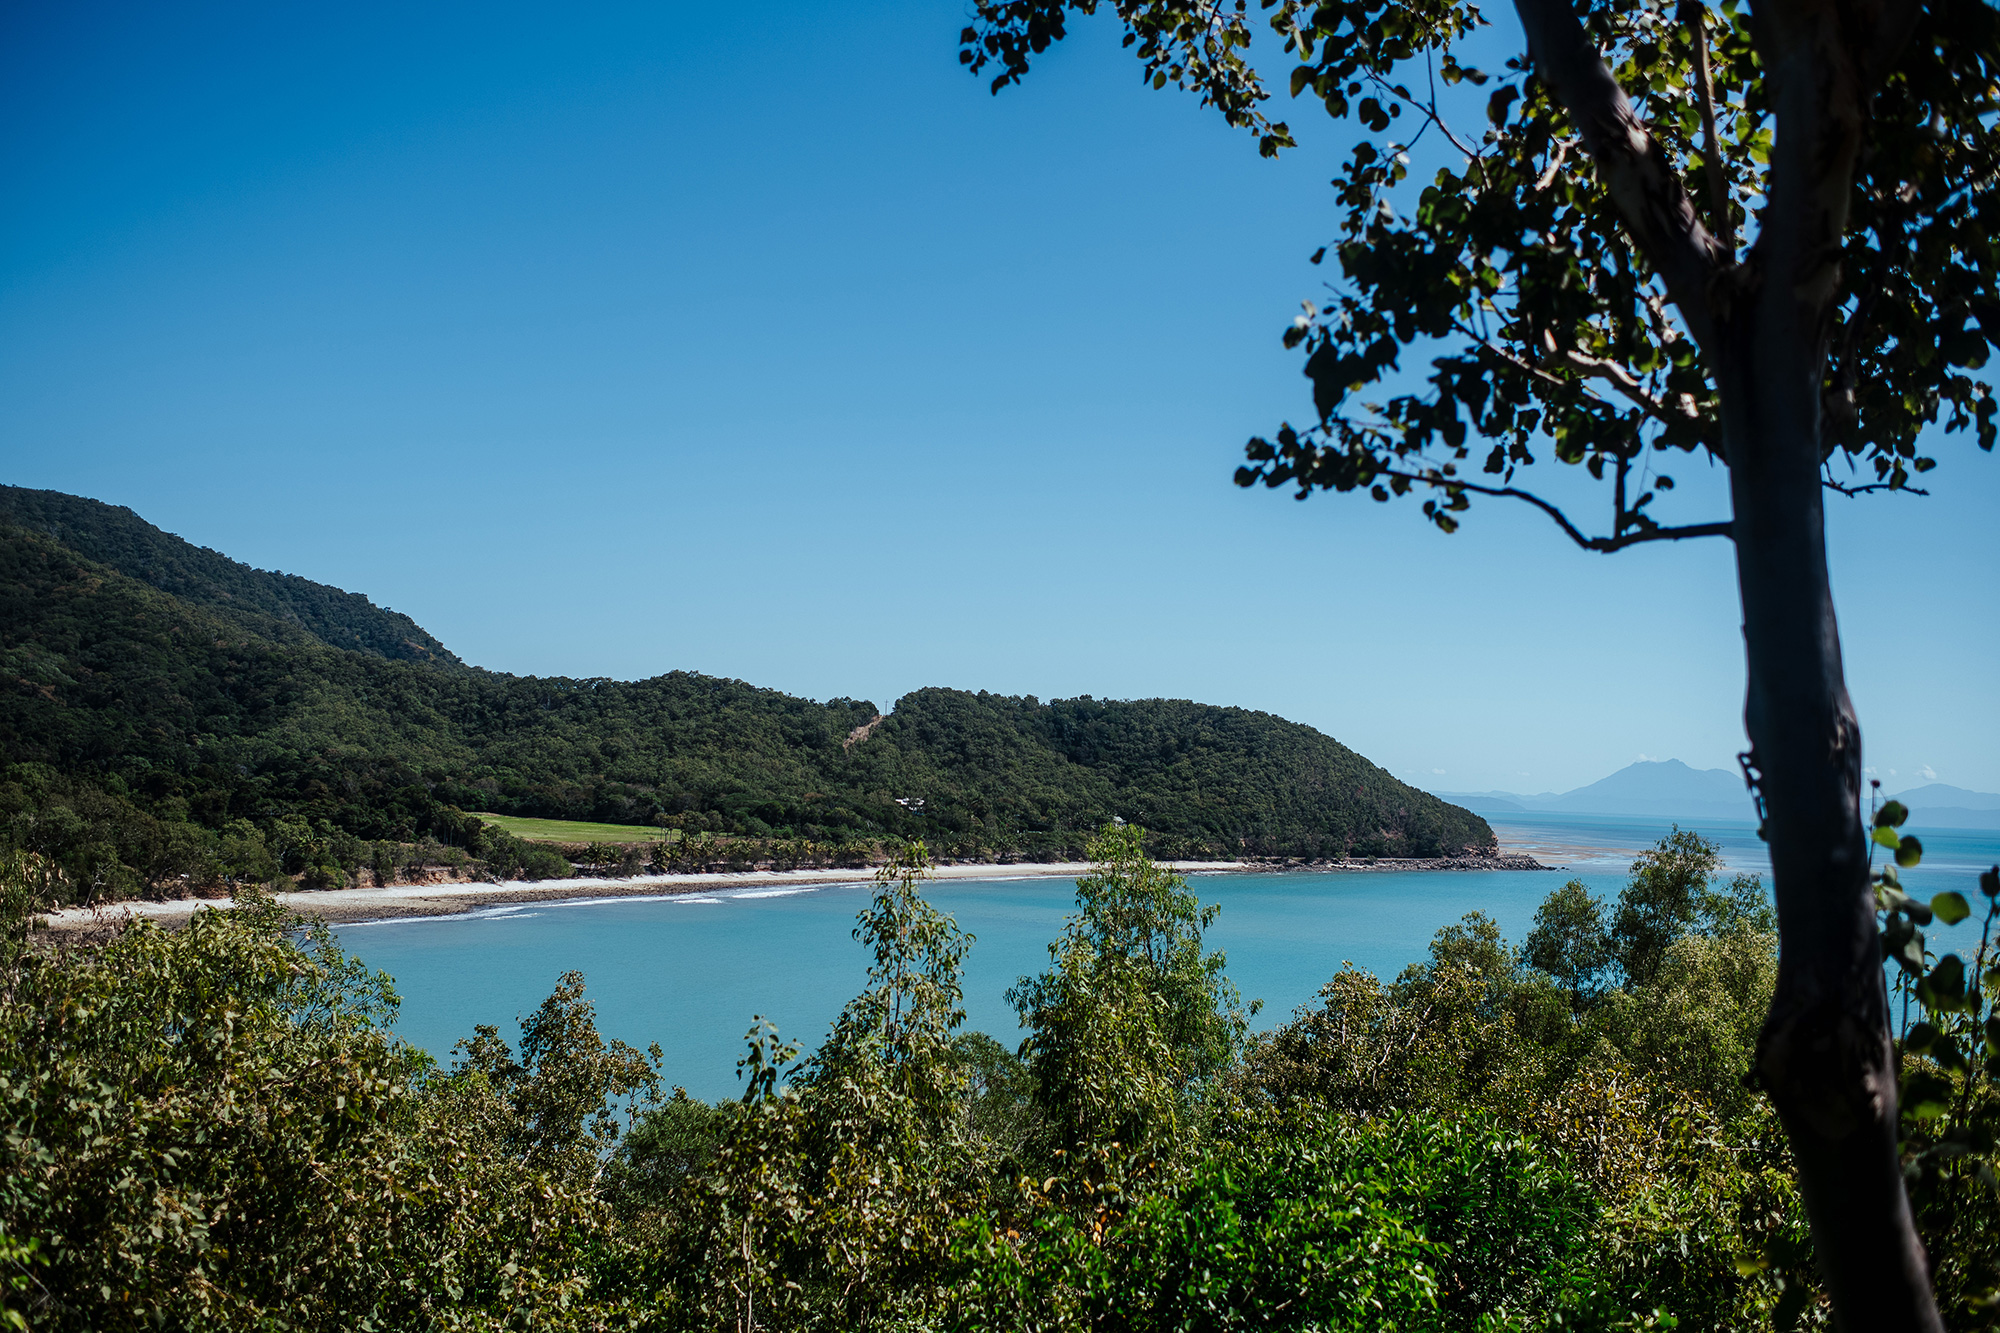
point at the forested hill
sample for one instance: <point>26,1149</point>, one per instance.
<point>146,732</point>
<point>1219,781</point>
<point>113,535</point>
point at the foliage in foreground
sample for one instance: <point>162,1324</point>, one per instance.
<point>214,1129</point>
<point>1307,1221</point>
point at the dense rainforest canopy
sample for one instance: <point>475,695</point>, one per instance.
<point>158,701</point>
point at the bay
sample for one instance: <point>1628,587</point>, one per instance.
<point>689,972</point>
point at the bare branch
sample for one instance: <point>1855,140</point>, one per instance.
<point>1846,489</point>
<point>1652,533</point>
<point>1431,110</point>
<point>1657,211</point>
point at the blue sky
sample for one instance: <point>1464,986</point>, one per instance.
<point>615,339</point>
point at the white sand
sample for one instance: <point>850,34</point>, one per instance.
<point>346,905</point>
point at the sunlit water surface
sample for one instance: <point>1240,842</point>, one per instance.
<point>689,972</point>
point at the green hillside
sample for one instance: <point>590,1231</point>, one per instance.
<point>1207,781</point>
<point>115,536</point>
<point>176,729</point>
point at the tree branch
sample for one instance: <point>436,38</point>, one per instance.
<point>1692,13</point>
<point>1500,354</point>
<point>1846,489</point>
<point>1431,110</point>
<point>1622,379</point>
<point>1653,533</point>
<point>1556,159</point>
<point>1656,210</point>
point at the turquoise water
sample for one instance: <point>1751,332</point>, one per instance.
<point>689,972</point>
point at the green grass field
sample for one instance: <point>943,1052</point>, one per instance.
<point>574,830</point>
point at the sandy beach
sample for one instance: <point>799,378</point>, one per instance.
<point>345,906</point>
<point>341,906</point>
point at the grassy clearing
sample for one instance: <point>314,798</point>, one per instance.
<point>575,830</point>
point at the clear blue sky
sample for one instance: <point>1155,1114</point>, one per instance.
<point>762,341</point>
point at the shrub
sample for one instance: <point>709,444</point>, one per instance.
<point>1305,1220</point>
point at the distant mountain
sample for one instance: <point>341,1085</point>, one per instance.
<point>1939,794</point>
<point>1939,805</point>
<point>1663,789</point>
<point>1669,789</point>
<point>115,536</point>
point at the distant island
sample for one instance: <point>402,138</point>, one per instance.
<point>172,719</point>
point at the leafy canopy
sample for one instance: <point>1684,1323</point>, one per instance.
<point>1569,941</point>
<point>1134,1021</point>
<point>1546,330</point>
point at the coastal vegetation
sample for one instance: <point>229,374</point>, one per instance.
<point>216,1128</point>
<point>171,720</point>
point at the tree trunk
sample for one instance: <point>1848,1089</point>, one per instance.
<point>1824,1056</point>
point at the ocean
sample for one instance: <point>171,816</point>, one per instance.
<point>691,972</point>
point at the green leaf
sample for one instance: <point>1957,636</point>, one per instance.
<point>1945,1051</point>
<point>1909,852</point>
<point>1887,837</point>
<point>1909,954</point>
<point>1944,989</point>
<point>1891,814</point>
<point>1951,908</point>
<point>1920,1036</point>
<point>1926,1095</point>
<point>1989,882</point>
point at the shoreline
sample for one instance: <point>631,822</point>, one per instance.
<point>406,901</point>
